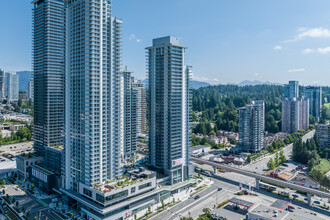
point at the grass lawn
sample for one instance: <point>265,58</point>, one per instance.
<point>327,105</point>
<point>325,165</point>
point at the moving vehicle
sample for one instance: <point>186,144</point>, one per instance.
<point>317,202</point>
<point>295,195</point>
<point>219,189</point>
<point>221,170</point>
<point>284,193</point>
<point>197,197</point>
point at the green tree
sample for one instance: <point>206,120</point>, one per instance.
<point>206,211</point>
<point>212,133</point>
<point>277,160</point>
<point>270,164</point>
<point>282,157</point>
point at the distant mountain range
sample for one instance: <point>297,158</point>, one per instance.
<point>194,84</point>
<point>23,77</point>
<point>256,82</point>
<point>198,84</point>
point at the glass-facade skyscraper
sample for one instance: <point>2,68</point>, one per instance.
<point>129,120</point>
<point>141,106</point>
<point>12,87</point>
<point>2,85</point>
<point>169,109</point>
<point>93,111</point>
<point>291,90</point>
<point>295,114</point>
<point>251,126</point>
<point>48,82</point>
<point>314,94</point>
<point>30,89</point>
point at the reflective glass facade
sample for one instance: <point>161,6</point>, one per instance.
<point>49,71</point>
<point>93,110</point>
<point>169,107</point>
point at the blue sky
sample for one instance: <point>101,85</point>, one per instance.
<point>227,40</point>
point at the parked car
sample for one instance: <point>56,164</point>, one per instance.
<point>219,189</point>
<point>317,202</point>
<point>197,197</point>
<point>291,207</point>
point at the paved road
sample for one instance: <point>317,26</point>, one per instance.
<point>176,210</point>
<point>261,165</point>
<point>265,178</point>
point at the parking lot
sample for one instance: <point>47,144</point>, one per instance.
<point>16,149</point>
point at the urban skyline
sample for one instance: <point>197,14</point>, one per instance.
<point>87,140</point>
<point>280,45</point>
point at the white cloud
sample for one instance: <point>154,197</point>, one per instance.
<point>214,81</point>
<point>133,37</point>
<point>324,50</point>
<point>296,70</point>
<point>307,51</point>
<point>278,47</point>
<point>319,32</point>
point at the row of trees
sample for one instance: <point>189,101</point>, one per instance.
<point>307,152</point>
<point>310,153</point>
<point>325,115</point>
<point>219,104</point>
<point>279,160</point>
<point>22,135</point>
<point>205,141</point>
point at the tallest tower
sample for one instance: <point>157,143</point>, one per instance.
<point>93,138</point>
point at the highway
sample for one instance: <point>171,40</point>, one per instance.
<point>262,177</point>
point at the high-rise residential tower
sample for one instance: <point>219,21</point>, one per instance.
<point>30,89</point>
<point>2,85</point>
<point>252,126</point>
<point>48,80</point>
<point>94,113</point>
<point>323,133</point>
<point>295,114</point>
<point>169,108</point>
<point>129,122</point>
<point>314,94</point>
<point>12,87</point>
<point>291,90</point>
<point>141,106</point>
